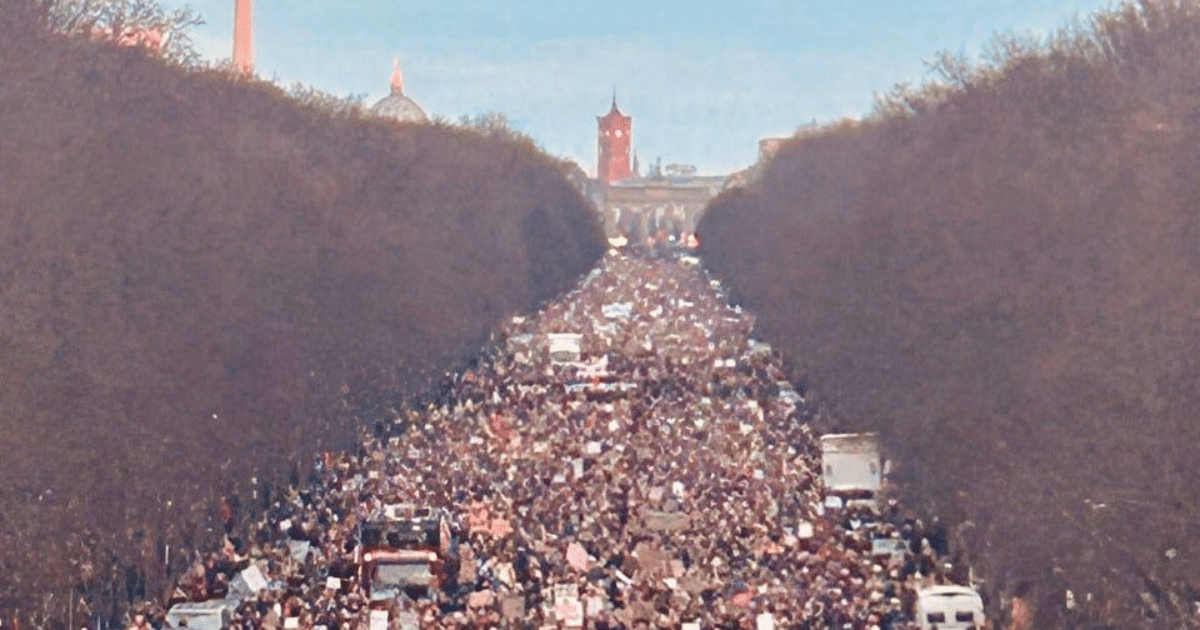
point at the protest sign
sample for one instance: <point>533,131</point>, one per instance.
<point>378,620</point>
<point>409,620</point>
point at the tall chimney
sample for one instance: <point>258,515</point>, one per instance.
<point>243,38</point>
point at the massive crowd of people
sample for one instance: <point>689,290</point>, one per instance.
<point>668,477</point>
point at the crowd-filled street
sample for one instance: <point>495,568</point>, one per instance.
<point>668,477</point>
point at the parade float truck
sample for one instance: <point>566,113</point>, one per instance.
<point>407,550</point>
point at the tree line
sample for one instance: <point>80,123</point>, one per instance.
<point>998,270</point>
<point>205,279</point>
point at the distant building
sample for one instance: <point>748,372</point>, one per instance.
<point>657,207</point>
<point>149,39</point>
<point>396,105</point>
<point>614,142</point>
<point>767,149</point>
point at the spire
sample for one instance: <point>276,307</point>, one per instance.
<point>397,78</point>
<point>243,37</point>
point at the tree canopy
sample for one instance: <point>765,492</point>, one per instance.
<point>997,271</point>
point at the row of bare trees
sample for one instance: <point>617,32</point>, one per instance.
<point>204,280</point>
<point>998,270</point>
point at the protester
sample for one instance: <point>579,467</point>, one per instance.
<point>670,475</point>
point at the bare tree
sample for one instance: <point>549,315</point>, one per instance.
<point>329,103</point>
<point>129,20</point>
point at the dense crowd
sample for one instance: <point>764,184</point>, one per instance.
<point>670,476</point>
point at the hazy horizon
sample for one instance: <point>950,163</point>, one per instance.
<point>703,82</point>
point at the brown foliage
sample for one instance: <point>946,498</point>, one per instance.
<point>998,272</point>
<point>194,271</point>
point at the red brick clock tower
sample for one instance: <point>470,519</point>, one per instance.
<point>614,141</point>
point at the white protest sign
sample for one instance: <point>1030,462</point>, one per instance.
<point>379,620</point>
<point>298,549</point>
<point>254,578</point>
<point>563,592</point>
<point>569,611</point>
<point>894,547</point>
<point>409,620</point>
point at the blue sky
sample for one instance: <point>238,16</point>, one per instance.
<point>703,80</point>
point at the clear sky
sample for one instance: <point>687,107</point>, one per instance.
<point>703,80</point>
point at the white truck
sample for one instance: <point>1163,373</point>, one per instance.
<point>211,615</point>
<point>949,608</point>
<point>852,467</point>
<point>565,347</point>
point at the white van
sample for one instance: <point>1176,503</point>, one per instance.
<point>949,608</point>
<point>852,465</point>
<point>211,615</point>
<point>565,347</point>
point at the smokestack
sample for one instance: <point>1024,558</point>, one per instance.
<point>243,38</point>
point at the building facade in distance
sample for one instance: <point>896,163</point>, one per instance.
<point>396,105</point>
<point>613,145</point>
<point>658,209</point>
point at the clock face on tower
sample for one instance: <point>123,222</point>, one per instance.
<point>614,136</point>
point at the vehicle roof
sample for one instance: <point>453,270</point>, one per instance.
<point>946,590</point>
<point>405,512</point>
<point>852,442</point>
<point>212,605</point>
